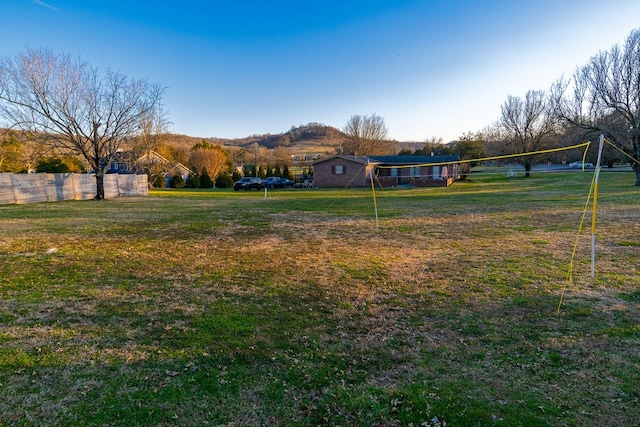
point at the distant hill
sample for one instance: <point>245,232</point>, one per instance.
<point>180,142</point>
<point>306,139</point>
<point>310,135</point>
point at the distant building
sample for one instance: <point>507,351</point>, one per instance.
<point>125,162</point>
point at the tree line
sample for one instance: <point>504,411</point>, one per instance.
<point>601,97</point>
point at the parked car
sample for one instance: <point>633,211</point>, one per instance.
<point>276,182</point>
<point>248,183</point>
<point>272,182</point>
<point>286,182</point>
<point>575,165</point>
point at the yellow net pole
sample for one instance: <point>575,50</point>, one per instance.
<point>373,190</point>
<point>595,209</point>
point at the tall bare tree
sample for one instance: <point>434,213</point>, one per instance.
<point>604,96</point>
<point>367,136</point>
<point>281,156</point>
<point>151,137</point>
<point>69,105</point>
<point>213,158</point>
<point>527,125</point>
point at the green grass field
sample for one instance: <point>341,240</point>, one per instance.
<point>193,308</point>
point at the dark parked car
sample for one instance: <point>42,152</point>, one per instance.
<point>248,183</point>
<point>272,182</point>
<point>275,182</point>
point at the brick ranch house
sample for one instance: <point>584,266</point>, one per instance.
<point>389,171</point>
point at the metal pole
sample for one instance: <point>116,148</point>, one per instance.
<point>595,209</point>
<point>373,191</point>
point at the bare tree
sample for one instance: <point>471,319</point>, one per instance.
<point>151,137</point>
<point>434,140</point>
<point>527,125</point>
<point>206,156</point>
<point>605,97</point>
<point>69,105</point>
<point>367,136</point>
<point>281,155</point>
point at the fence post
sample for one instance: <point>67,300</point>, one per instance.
<point>13,186</point>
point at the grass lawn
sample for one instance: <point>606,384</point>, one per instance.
<point>193,308</point>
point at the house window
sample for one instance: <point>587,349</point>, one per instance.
<point>339,169</point>
<point>414,171</point>
<point>394,172</point>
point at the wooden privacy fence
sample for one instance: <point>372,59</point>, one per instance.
<point>56,187</point>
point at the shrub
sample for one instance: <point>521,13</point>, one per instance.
<point>177,181</point>
<point>224,180</point>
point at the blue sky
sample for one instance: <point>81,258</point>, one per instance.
<point>239,67</point>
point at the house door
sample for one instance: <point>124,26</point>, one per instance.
<point>436,172</point>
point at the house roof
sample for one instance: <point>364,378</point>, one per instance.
<point>153,156</point>
<point>363,160</point>
<point>122,156</point>
<point>182,168</point>
<point>393,160</point>
<point>413,160</point>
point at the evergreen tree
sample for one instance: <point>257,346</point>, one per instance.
<point>205,179</point>
<point>286,173</point>
<point>193,181</point>
<point>261,173</point>
<point>60,165</point>
<point>52,165</point>
<point>470,146</point>
<point>277,172</point>
<point>11,155</point>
